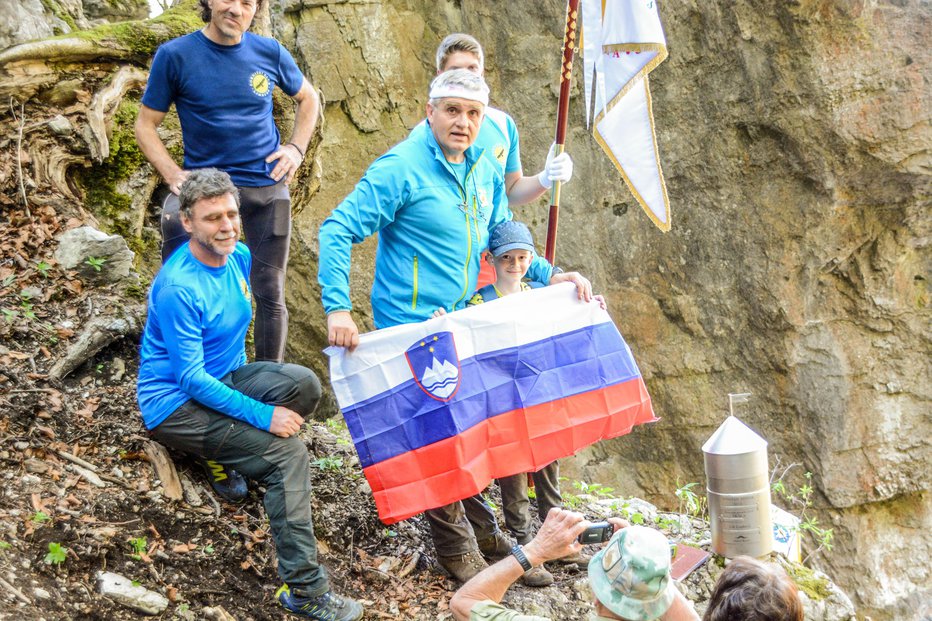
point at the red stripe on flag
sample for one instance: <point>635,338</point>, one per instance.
<point>522,440</point>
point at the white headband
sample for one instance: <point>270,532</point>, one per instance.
<point>440,91</point>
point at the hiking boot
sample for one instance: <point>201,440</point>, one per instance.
<point>537,577</point>
<point>463,566</point>
<point>228,483</point>
<point>326,607</point>
<point>580,559</point>
<point>495,548</point>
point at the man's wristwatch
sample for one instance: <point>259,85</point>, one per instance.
<point>518,553</point>
<point>556,270</point>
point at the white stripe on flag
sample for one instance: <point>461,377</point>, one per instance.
<point>379,364</point>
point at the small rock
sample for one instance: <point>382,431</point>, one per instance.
<point>30,479</point>
<point>36,466</point>
<point>60,126</point>
<point>119,369</point>
<point>41,593</point>
<point>117,472</point>
<point>21,446</point>
<point>138,598</point>
<point>114,260</point>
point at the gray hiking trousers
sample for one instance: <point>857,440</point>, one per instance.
<point>456,528</point>
<point>280,464</point>
<point>266,216</point>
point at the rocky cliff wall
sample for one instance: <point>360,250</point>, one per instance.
<point>795,140</point>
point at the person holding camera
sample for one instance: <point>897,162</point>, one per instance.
<point>630,576</point>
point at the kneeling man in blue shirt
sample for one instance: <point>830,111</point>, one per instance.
<point>198,395</point>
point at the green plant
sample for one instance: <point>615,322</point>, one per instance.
<point>43,268</point>
<point>331,463</point>
<point>9,315</point>
<point>96,262</point>
<point>801,500</point>
<point>40,517</point>
<point>593,489</point>
<point>336,425</point>
<point>5,545</point>
<point>7,281</point>
<point>25,303</point>
<point>691,503</point>
<point>209,549</point>
<point>57,554</point>
<point>139,545</point>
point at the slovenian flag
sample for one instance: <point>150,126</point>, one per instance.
<point>438,409</point>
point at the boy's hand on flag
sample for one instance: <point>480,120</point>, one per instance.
<point>342,330</point>
<point>583,286</point>
<point>601,300</point>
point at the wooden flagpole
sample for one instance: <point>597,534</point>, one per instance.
<point>566,72</point>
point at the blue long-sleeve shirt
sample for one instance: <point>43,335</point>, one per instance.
<point>194,336</point>
<point>433,220</point>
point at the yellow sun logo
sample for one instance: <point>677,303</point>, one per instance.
<point>260,83</point>
<point>244,286</point>
<point>499,152</point>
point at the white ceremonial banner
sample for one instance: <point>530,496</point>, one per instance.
<point>623,42</point>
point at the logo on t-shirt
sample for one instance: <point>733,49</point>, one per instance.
<point>500,153</point>
<point>244,286</point>
<point>261,83</point>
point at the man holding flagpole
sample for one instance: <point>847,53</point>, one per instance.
<point>433,199</point>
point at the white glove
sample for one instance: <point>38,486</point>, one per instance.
<point>558,168</point>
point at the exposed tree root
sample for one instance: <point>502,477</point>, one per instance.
<point>97,334</point>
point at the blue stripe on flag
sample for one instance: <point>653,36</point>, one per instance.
<point>406,418</point>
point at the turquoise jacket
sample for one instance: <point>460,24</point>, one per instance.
<point>432,230</point>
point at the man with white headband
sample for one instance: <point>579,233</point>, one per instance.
<point>433,200</point>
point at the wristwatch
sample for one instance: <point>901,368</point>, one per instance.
<point>556,270</point>
<point>518,553</point>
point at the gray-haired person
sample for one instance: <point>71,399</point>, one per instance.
<point>198,395</point>
<point>432,199</point>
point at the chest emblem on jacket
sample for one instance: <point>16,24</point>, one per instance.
<point>261,83</point>
<point>483,198</point>
<point>500,153</point>
<point>244,287</point>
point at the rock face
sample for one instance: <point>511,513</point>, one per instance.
<point>27,20</point>
<point>795,144</point>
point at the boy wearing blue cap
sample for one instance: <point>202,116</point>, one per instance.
<point>511,249</point>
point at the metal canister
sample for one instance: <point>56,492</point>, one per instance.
<point>738,487</point>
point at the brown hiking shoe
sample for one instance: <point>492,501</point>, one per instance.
<point>495,548</point>
<point>537,577</point>
<point>463,566</point>
<point>580,559</point>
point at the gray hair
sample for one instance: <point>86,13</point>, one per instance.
<point>458,42</point>
<point>465,83</point>
<point>205,183</point>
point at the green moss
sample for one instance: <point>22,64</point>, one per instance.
<point>53,7</point>
<point>813,585</point>
<point>100,182</point>
<point>142,37</point>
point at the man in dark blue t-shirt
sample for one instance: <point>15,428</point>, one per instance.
<point>197,394</point>
<point>220,80</point>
